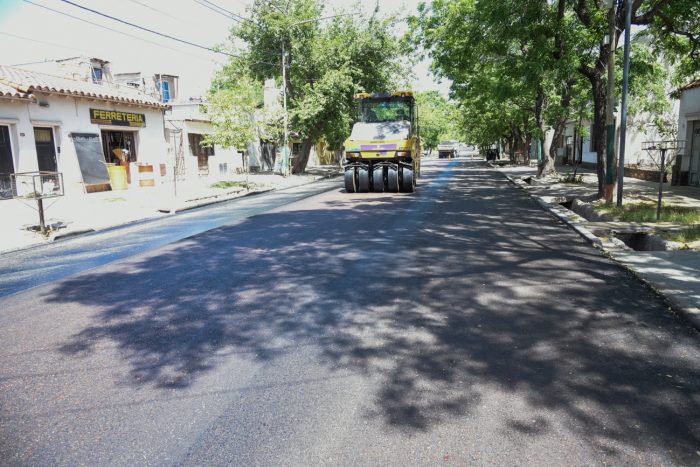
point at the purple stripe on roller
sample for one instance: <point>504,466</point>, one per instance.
<point>377,147</point>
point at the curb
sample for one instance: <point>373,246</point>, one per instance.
<point>72,234</point>
<point>215,200</point>
<point>679,307</point>
<point>558,212</point>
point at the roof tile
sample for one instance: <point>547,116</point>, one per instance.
<point>9,91</point>
<point>24,82</point>
<point>692,85</point>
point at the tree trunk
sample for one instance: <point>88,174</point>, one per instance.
<point>511,148</point>
<point>540,106</point>
<point>599,137</point>
<point>300,162</point>
<point>548,162</point>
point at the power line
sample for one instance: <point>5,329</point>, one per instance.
<point>198,2</point>
<point>179,19</point>
<point>147,29</point>
<point>53,44</point>
<point>112,29</point>
<point>155,9</point>
<point>234,15</point>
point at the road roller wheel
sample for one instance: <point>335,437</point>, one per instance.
<point>350,184</point>
<point>362,180</point>
<point>407,180</point>
<point>392,178</point>
<point>378,179</point>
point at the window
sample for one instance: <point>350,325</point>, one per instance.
<point>97,75</point>
<point>296,149</point>
<point>165,91</point>
<point>376,111</point>
<point>163,87</point>
<point>197,147</point>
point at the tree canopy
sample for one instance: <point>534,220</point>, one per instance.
<point>328,60</point>
<point>436,118</point>
<point>519,67</point>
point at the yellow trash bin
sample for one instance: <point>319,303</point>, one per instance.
<point>117,177</point>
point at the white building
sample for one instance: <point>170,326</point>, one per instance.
<point>187,126</point>
<point>689,130</point>
<point>47,121</point>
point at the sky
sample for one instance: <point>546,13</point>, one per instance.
<point>40,30</point>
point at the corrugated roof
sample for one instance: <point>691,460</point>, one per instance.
<point>26,82</point>
<point>694,84</point>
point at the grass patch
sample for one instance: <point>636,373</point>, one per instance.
<point>684,236</point>
<point>231,184</point>
<point>646,212</point>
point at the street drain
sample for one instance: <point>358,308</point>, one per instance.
<point>640,241</point>
<point>567,204</point>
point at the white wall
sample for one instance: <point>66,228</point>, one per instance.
<point>634,154</point>
<point>71,114</point>
<point>228,156</point>
<point>688,111</point>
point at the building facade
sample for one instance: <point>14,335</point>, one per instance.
<point>689,132</point>
<point>46,120</point>
<point>187,126</point>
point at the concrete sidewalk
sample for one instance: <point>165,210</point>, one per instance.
<point>77,214</point>
<point>673,274</point>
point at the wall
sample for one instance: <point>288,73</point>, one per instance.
<point>634,153</point>
<point>228,156</point>
<point>70,114</point>
<point>689,110</point>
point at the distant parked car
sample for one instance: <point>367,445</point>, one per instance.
<point>448,149</point>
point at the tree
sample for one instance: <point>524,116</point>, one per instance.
<point>327,63</point>
<point>672,26</point>
<point>512,75</point>
<point>520,62</point>
<point>436,117</point>
<point>231,107</point>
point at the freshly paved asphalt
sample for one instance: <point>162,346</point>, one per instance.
<point>458,325</point>
<point>28,268</point>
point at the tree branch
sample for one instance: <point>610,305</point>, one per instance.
<point>581,10</point>
<point>587,71</point>
<point>558,41</point>
<point>648,16</point>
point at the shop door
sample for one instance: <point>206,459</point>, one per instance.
<point>119,149</point>
<point>7,165</point>
<point>45,149</point>
<point>694,178</point>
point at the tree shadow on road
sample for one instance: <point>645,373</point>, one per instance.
<point>447,303</point>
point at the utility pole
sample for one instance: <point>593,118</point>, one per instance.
<point>610,114</point>
<point>284,99</point>
<point>623,110</point>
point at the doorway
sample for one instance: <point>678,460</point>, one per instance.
<point>45,149</point>
<point>7,164</point>
<point>119,148</point>
<point>694,175</point>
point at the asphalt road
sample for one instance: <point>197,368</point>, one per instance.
<point>28,268</point>
<point>458,325</point>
